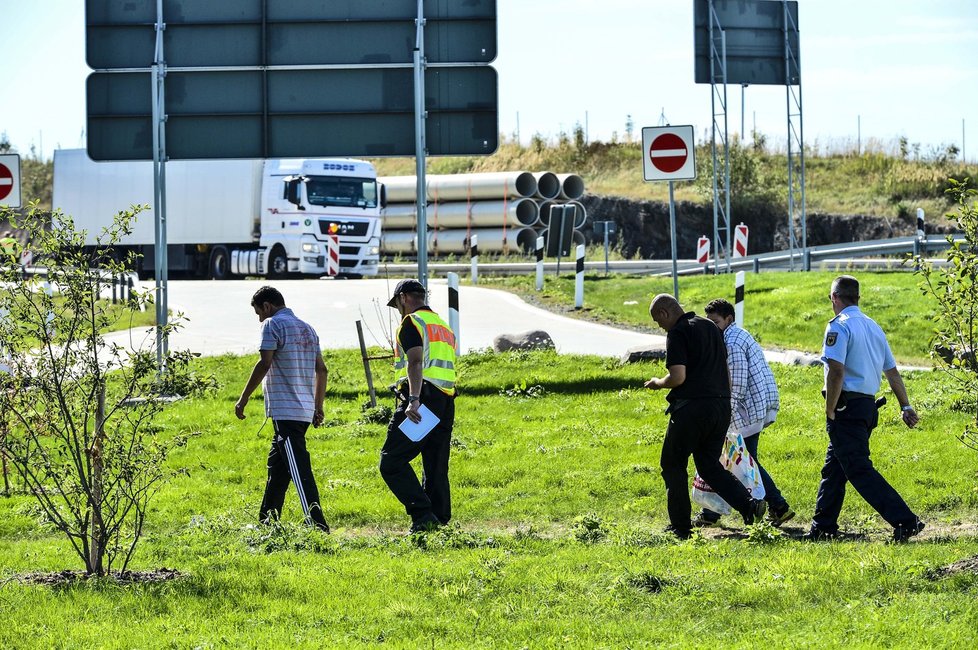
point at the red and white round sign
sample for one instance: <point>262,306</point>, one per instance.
<point>6,181</point>
<point>668,153</point>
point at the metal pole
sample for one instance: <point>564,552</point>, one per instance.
<point>743,89</point>
<point>159,188</point>
<point>560,233</point>
<point>606,270</point>
<point>672,230</point>
<point>420,146</point>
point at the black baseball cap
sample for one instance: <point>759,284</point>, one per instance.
<point>405,286</point>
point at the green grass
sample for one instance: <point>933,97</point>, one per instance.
<point>558,502</point>
<point>782,310</point>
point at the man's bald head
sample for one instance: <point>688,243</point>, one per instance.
<point>665,310</point>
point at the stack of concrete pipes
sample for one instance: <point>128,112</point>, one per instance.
<point>507,210</point>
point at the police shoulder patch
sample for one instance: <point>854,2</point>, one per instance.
<point>830,338</point>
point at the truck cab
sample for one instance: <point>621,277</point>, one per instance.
<point>306,201</point>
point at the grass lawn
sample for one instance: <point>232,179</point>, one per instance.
<point>556,543</point>
<point>782,310</point>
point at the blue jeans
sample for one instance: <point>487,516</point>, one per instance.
<point>847,461</point>
<point>771,492</point>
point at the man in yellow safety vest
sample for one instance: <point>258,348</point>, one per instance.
<point>425,347</point>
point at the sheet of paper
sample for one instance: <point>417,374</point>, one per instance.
<point>417,431</point>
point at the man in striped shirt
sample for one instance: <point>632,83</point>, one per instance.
<point>291,365</point>
<point>754,403</point>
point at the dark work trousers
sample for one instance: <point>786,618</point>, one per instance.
<point>771,492</point>
<point>288,460</point>
<point>847,459</point>
<point>698,428</point>
<point>430,499</point>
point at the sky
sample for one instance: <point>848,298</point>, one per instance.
<point>872,71</point>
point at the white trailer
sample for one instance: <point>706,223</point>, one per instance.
<point>233,217</point>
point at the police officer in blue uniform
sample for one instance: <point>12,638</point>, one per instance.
<point>856,354</point>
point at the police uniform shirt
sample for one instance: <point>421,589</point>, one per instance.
<point>857,342</point>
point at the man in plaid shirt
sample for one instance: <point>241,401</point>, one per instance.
<point>754,403</point>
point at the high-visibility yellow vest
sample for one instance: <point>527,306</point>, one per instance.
<point>438,340</point>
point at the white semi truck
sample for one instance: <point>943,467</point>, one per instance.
<point>233,217</point>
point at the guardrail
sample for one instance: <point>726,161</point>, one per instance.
<point>831,253</point>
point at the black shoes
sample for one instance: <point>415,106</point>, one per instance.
<point>755,511</point>
<point>679,533</point>
<point>819,535</point>
<point>426,525</point>
<point>778,517</point>
<point>903,533</point>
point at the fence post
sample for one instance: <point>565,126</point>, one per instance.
<point>539,263</point>
<point>739,298</point>
<point>579,279</point>
<point>475,259</point>
<point>366,366</point>
<point>453,309</point>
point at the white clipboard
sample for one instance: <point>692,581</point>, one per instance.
<point>417,431</point>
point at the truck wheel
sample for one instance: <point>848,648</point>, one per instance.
<point>278,263</point>
<point>220,264</point>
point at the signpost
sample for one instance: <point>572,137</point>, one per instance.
<point>10,180</point>
<point>669,155</point>
<point>280,79</point>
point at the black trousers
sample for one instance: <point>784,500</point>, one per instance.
<point>429,499</point>
<point>847,460</point>
<point>698,429</point>
<point>288,460</point>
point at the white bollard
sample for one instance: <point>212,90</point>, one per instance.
<point>539,263</point>
<point>579,280</point>
<point>920,224</point>
<point>332,255</point>
<point>703,251</point>
<point>475,259</point>
<point>739,298</point>
<point>453,309</point>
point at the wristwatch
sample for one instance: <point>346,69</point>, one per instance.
<point>413,398</point>
<point>906,408</point>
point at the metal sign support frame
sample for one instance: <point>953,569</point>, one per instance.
<point>718,94</point>
<point>158,76</point>
<point>796,141</point>
<point>420,147</point>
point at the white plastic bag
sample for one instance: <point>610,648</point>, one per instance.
<point>737,460</point>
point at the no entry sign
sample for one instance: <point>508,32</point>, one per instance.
<point>10,180</point>
<point>668,153</point>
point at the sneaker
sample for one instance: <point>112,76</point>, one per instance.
<point>680,533</point>
<point>425,525</point>
<point>755,511</point>
<point>819,535</point>
<point>704,520</point>
<point>903,533</point>
<point>776,517</point>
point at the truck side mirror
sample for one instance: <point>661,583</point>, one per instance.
<point>383,195</point>
<point>291,191</point>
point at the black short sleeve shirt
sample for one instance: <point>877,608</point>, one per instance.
<point>697,343</point>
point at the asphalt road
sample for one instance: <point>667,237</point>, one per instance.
<point>220,319</point>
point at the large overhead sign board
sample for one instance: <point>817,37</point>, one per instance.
<point>291,78</point>
<point>755,41</point>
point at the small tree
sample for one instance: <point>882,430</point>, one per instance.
<point>77,410</point>
<point>954,288</point>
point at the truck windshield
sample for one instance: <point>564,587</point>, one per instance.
<point>342,191</point>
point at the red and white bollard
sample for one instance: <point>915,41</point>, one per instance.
<point>703,249</point>
<point>332,255</point>
<point>740,241</point>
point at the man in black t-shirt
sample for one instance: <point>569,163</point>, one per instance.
<point>699,413</point>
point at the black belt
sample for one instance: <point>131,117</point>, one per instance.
<point>854,395</point>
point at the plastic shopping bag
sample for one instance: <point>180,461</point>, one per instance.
<point>737,460</point>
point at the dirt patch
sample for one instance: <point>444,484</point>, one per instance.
<point>968,565</point>
<point>63,578</point>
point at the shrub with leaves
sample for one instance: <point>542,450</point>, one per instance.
<point>77,412</point>
<point>953,287</point>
